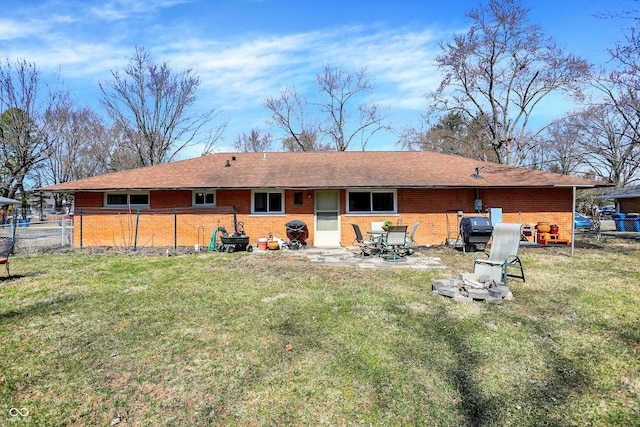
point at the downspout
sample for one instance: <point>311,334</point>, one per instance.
<point>80,228</point>
<point>573,221</point>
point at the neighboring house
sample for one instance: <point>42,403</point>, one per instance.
<point>181,202</point>
<point>627,199</point>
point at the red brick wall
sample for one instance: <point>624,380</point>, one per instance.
<point>436,210</point>
<point>89,200</point>
<point>170,199</point>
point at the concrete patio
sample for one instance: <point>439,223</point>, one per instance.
<point>350,257</point>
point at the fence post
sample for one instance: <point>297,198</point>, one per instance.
<point>135,239</point>
<point>63,232</point>
<point>175,229</point>
<point>80,228</point>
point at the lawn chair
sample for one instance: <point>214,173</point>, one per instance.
<point>505,242</point>
<point>410,242</point>
<point>395,242</point>
<point>6,247</point>
<point>367,247</point>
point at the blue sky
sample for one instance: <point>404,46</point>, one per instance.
<point>245,50</point>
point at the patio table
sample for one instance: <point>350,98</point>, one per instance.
<point>381,237</point>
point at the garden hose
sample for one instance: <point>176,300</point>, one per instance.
<point>213,242</point>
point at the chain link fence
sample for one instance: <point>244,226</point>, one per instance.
<point>123,230</point>
<point>135,229</point>
<point>130,230</point>
<point>627,222</point>
<point>35,236</point>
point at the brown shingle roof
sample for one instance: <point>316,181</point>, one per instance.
<point>352,169</point>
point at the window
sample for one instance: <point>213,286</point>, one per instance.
<point>204,198</point>
<point>268,202</point>
<point>121,200</point>
<point>382,201</point>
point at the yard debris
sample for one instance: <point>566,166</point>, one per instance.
<point>471,288</point>
<point>288,347</point>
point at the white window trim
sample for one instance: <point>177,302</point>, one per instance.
<point>204,205</point>
<point>128,193</point>
<point>373,190</point>
<point>253,210</point>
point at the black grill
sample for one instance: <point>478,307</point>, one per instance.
<point>297,232</point>
<point>475,229</point>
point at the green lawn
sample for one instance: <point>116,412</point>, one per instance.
<point>269,339</point>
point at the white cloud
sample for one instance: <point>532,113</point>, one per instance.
<point>11,29</point>
<point>19,29</point>
<point>123,9</point>
<point>236,72</point>
<point>253,68</point>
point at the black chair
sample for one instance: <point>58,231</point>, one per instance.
<point>367,247</point>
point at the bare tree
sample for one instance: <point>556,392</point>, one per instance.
<point>342,113</point>
<point>289,112</point>
<point>254,142</point>
<point>561,147</point>
<point>620,89</point>
<point>610,144</point>
<point>562,150</point>
<point>151,104</point>
<point>452,134</point>
<point>345,122</point>
<point>81,138</point>
<point>26,137</point>
<point>309,142</point>
<point>498,73</point>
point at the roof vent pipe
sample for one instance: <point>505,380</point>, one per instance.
<point>264,156</point>
<point>227,165</point>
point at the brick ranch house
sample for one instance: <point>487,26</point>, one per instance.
<point>181,203</point>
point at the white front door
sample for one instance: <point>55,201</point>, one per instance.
<point>327,230</point>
